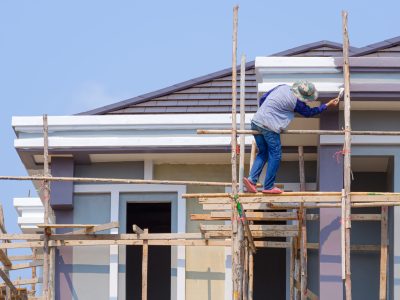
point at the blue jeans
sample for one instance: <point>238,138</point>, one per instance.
<point>269,149</point>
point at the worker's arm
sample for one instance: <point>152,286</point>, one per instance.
<point>306,111</point>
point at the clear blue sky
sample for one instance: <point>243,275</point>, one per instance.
<point>64,57</point>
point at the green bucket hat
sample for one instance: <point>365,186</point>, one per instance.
<point>305,91</point>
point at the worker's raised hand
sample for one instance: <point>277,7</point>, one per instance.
<point>334,102</point>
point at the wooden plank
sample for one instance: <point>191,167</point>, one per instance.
<point>261,216</point>
<point>252,227</point>
<point>354,217</point>
<point>384,255</point>
<point>66,225</point>
<point>23,281</point>
<point>145,259</point>
<point>96,228</point>
<point>7,282</point>
<point>303,253</point>
<point>256,234</point>
<point>4,259</point>
<point>24,265</point>
<point>347,151</point>
<point>25,257</point>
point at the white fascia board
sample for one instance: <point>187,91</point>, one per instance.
<point>33,124</point>
<point>360,140</point>
<point>294,62</point>
<point>132,141</point>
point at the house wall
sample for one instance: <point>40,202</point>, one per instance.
<point>206,266</point>
<point>91,264</point>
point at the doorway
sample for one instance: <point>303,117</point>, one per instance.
<point>157,218</point>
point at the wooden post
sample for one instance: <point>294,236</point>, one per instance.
<point>33,285</point>
<point>242,121</point>
<point>145,259</point>
<point>251,276</point>
<point>46,200</point>
<point>237,226</point>
<point>303,229</point>
<point>343,234</point>
<point>6,267</point>
<point>246,270</point>
<point>384,254</point>
<point>346,152</point>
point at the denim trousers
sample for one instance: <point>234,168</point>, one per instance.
<point>269,150</point>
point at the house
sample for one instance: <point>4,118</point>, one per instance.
<point>153,136</point>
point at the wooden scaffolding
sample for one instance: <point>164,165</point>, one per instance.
<point>287,215</point>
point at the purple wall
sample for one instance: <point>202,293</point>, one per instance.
<point>62,192</point>
<point>63,271</point>
<point>62,203</point>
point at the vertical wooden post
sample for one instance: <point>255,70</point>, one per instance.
<point>46,200</point>
<point>303,229</point>
<point>33,286</point>
<point>301,169</point>
<point>384,253</point>
<point>242,120</point>
<point>346,151</point>
<point>237,226</point>
<point>246,270</point>
<point>343,234</point>
<point>251,275</point>
<point>145,260</point>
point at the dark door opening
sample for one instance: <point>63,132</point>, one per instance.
<point>270,270</point>
<point>157,218</point>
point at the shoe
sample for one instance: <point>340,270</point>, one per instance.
<point>250,187</point>
<point>274,190</point>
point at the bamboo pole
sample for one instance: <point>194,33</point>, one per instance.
<point>145,260</point>
<point>301,131</point>
<point>343,234</point>
<point>384,254</point>
<point>46,200</point>
<point>347,150</point>
<point>237,227</point>
<point>242,121</point>
<point>246,270</point>
<point>303,229</point>
<point>34,275</point>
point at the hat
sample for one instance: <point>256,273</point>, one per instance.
<point>305,91</point>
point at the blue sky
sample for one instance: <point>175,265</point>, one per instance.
<point>64,57</point>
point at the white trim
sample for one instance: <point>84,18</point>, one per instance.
<point>178,254</point>
<point>120,142</point>
<point>361,140</point>
<point>302,62</point>
<point>142,122</point>
<point>114,216</point>
<point>148,169</point>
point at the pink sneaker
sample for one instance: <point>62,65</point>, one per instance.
<point>274,190</point>
<point>250,187</point>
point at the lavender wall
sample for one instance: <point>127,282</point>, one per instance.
<point>62,192</point>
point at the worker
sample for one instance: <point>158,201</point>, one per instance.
<point>276,110</point>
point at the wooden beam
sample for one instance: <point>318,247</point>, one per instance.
<point>27,265</point>
<point>145,259</point>
<point>7,282</point>
<point>347,151</point>
<point>384,255</point>
<point>97,228</point>
<point>66,225</point>
<point>260,216</point>
<point>252,227</point>
<point>24,281</point>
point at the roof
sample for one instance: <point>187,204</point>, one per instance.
<point>376,47</point>
<point>211,93</point>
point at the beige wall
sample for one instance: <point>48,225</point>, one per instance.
<point>205,266</point>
